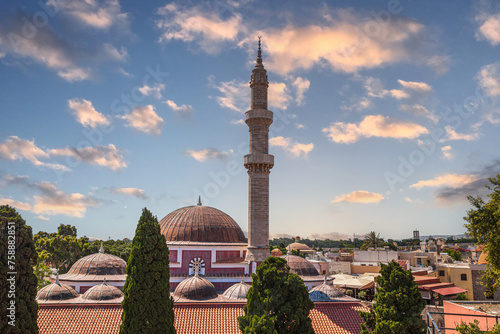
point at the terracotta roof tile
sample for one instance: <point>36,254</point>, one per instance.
<point>449,291</point>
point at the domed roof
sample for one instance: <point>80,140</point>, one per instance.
<point>300,266</point>
<point>237,291</point>
<point>195,287</point>
<point>201,223</point>
<point>102,291</point>
<point>298,246</point>
<point>56,292</point>
<point>325,292</point>
<point>482,258</point>
<point>97,267</point>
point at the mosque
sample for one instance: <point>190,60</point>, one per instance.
<point>211,261</point>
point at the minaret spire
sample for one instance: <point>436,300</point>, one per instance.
<point>259,163</point>
<point>199,200</point>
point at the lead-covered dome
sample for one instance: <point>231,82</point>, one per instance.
<point>300,266</point>
<point>325,292</point>
<point>195,287</point>
<point>56,292</point>
<point>97,267</point>
<point>201,223</point>
<point>102,291</point>
<point>237,291</point>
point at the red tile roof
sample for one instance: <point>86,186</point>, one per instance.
<point>435,286</point>
<point>327,318</point>
<point>449,291</point>
<point>421,280</point>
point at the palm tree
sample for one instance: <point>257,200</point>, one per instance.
<point>372,239</point>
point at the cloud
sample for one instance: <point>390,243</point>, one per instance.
<point>358,104</point>
<point>301,85</point>
<point>154,90</point>
<point>440,64</point>
<point>198,25</point>
<point>43,218</point>
<point>209,153</point>
<point>419,110</point>
<point>330,236</point>
<point>185,111</point>
<point>360,196</point>
<point>144,119</point>
<point>420,87</point>
<point>93,13</point>
<point>106,156</point>
<point>489,28</point>
<point>16,204</point>
<point>279,97</point>
<point>235,94</point>
<point>373,126</point>
<point>453,135</point>
<point>15,148</point>
<point>53,201</point>
<point>448,180</point>
<point>488,78</point>
<point>45,48</point>
<point>114,53</point>
<point>139,193</point>
<point>86,114</point>
<point>294,148</point>
<point>238,122</point>
<point>300,126</point>
<point>447,152</point>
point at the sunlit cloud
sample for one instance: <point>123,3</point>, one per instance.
<point>451,134</point>
<point>373,126</point>
<point>15,204</point>
<point>488,78</point>
<point>296,149</point>
<point>154,90</point>
<point>106,156</point>
<point>135,192</point>
<point>144,119</point>
<point>360,196</point>
<point>209,154</point>
<point>419,110</point>
<point>448,180</point>
<point>301,85</point>
<point>113,53</point>
<point>447,152</point>
<point>86,114</point>
<point>185,111</point>
<point>489,27</point>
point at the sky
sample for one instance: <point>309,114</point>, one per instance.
<point>385,112</point>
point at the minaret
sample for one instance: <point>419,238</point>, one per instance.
<point>259,164</point>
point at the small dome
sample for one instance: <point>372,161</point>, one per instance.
<point>325,292</point>
<point>56,292</point>
<point>102,291</point>
<point>97,267</point>
<point>298,246</point>
<point>196,287</point>
<point>276,252</point>
<point>300,266</point>
<point>200,223</point>
<point>237,291</point>
<point>482,258</point>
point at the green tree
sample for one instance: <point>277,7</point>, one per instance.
<point>397,306</point>
<point>60,252</point>
<point>42,271</point>
<point>147,305</point>
<point>473,328</point>
<point>277,302</point>
<point>66,230</point>
<point>453,254</point>
<point>483,224</point>
<point>18,307</point>
<point>372,239</point>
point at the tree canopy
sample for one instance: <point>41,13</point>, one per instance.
<point>147,304</point>
<point>483,224</point>
<point>277,302</point>
<point>398,304</point>
<point>18,308</point>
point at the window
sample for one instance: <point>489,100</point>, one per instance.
<point>419,261</point>
<point>441,273</point>
<point>463,277</point>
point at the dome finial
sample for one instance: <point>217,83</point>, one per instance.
<point>104,281</point>
<point>325,281</point>
<point>57,278</point>
<point>199,200</point>
<point>101,250</point>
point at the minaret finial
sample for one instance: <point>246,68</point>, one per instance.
<point>199,200</point>
<point>101,250</point>
<point>259,53</point>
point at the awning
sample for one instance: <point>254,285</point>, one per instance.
<point>449,291</point>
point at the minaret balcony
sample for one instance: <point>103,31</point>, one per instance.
<point>256,158</point>
<point>258,113</point>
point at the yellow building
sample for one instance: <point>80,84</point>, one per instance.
<point>459,274</point>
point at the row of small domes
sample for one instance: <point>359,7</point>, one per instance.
<point>59,291</point>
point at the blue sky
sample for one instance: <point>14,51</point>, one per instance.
<point>386,112</point>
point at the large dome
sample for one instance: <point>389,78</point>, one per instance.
<point>201,223</point>
<point>300,266</point>
<point>97,267</point>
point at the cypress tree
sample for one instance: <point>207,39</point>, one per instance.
<point>277,302</point>
<point>18,255</point>
<point>398,304</point>
<point>147,305</point>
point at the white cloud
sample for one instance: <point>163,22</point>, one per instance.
<point>279,97</point>
<point>209,153</point>
<point>144,119</point>
<point>154,90</point>
<point>373,126</point>
<point>420,87</point>
<point>106,156</point>
<point>489,27</point>
<point>136,192</point>
<point>358,104</point>
<point>447,180</point>
<point>93,13</point>
<point>294,148</point>
<point>488,78</point>
<point>360,196</point>
<point>43,218</point>
<point>198,25</point>
<point>238,122</point>
<point>114,53</point>
<point>300,126</point>
<point>447,152</point>
<point>453,135</point>
<point>185,110</point>
<point>86,114</point>
<point>15,204</point>
<point>302,86</point>
<point>235,94</point>
<point>419,110</point>
<point>15,148</point>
